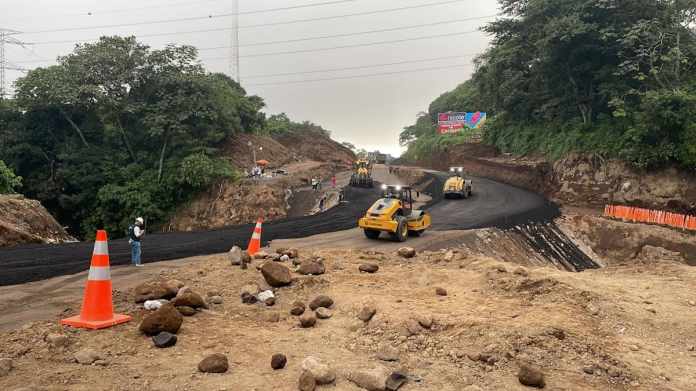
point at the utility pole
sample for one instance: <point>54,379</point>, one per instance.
<point>234,47</point>
<point>6,38</point>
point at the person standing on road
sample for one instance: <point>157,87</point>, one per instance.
<point>135,233</point>
<point>315,183</point>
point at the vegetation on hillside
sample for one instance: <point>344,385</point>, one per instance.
<point>9,182</point>
<point>617,78</point>
<point>279,124</point>
<point>117,130</point>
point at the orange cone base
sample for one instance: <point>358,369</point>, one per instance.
<point>78,322</point>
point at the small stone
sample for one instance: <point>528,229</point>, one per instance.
<point>388,353</point>
<point>216,299</point>
<point>692,303</point>
<point>449,256</point>
<point>311,268</point>
<point>322,372</point>
<point>413,327</point>
<point>166,318</point>
<point>307,382</point>
<point>520,271</point>
<point>270,302</point>
<point>589,369</point>
<point>308,319</point>
<point>185,310</point>
<point>323,313</point>
<point>425,321</point>
<point>57,340</point>
<point>6,366</point>
<point>248,299</point>
<point>298,308</point>
<point>260,255</point>
<point>235,256</point>
<point>164,339</point>
<point>440,291</point>
<point>407,252</point>
<point>374,379</point>
<point>284,258</point>
<point>368,268</point>
<point>215,363</point>
<point>531,377</point>
<point>278,361</point>
<point>635,348</point>
<point>190,299</point>
<point>276,274</point>
<point>87,356</point>
<point>367,312</point>
<point>321,301</point>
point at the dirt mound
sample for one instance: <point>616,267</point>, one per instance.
<point>26,221</point>
<point>316,146</point>
<point>241,154</point>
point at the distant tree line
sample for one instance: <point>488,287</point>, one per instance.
<point>616,78</point>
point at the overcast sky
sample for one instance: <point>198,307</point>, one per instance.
<point>368,111</point>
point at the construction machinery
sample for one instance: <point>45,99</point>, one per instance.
<point>362,174</point>
<point>456,186</point>
<point>394,214</point>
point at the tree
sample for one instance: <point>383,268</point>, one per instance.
<point>8,180</point>
<point>348,145</point>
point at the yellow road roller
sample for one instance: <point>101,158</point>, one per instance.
<point>394,214</point>
<point>456,186</point>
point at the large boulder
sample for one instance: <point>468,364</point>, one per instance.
<point>189,298</point>
<point>166,318</point>
<point>275,274</point>
<point>155,290</point>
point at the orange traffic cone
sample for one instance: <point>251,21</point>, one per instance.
<point>255,242</point>
<point>97,308</point>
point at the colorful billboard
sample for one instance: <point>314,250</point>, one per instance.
<point>455,122</point>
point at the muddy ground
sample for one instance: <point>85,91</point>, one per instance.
<point>618,328</point>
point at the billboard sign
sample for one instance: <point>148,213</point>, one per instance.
<point>455,122</point>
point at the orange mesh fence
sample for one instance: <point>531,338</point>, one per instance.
<point>640,215</point>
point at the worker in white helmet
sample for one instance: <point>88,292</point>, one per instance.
<point>135,233</point>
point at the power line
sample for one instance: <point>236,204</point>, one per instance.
<point>288,40</point>
<point>258,11</point>
<point>6,38</point>
<point>360,66</point>
<point>358,76</point>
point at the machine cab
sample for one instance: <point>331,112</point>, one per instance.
<point>403,194</point>
<point>457,171</point>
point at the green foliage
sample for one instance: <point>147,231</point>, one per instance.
<point>602,76</point>
<point>118,129</point>
<point>8,180</point>
<point>280,124</point>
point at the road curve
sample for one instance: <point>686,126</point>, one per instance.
<point>493,204</point>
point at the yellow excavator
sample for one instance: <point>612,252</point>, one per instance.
<point>362,174</point>
<point>456,186</point>
<point>394,214</point>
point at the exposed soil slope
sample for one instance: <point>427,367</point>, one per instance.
<point>26,221</point>
<point>316,146</point>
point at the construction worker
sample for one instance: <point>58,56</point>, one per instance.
<point>135,233</point>
<point>315,183</point>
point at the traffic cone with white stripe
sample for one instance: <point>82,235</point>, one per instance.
<point>255,242</point>
<point>97,306</point>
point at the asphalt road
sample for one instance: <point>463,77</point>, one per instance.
<point>493,204</point>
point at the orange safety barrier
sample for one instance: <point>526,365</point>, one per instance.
<point>629,213</point>
<point>255,242</point>
<point>97,305</point>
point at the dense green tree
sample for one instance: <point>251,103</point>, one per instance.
<point>9,182</point>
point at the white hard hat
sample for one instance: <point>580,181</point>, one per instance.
<point>140,220</point>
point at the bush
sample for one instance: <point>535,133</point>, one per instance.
<point>9,182</point>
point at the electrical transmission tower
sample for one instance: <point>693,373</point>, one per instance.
<point>6,38</point>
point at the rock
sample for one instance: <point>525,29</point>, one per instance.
<point>413,327</point>
<point>501,269</point>
<point>276,274</point>
<point>321,301</point>
<point>395,381</point>
<point>167,318</point>
<point>216,299</point>
<point>246,259</point>
<point>374,379</point>
<point>235,256</point>
<point>311,268</point>
<point>152,305</point>
<point>265,295</point>
<point>531,377</point>
<point>164,339</point>
<point>87,356</point>
<point>323,313</point>
<point>306,382</point>
<point>284,258</point>
<point>189,298</point>
<point>692,303</point>
<point>6,366</point>
<point>58,340</point>
<point>248,299</point>
<point>368,268</point>
<point>215,363</point>
<point>298,308</point>
<point>292,253</point>
<point>185,310</point>
<point>635,348</point>
<point>278,361</point>
<point>308,319</point>
<point>407,252</point>
<point>272,317</point>
<point>270,302</point>
<point>388,353</point>
<point>449,256</point>
<point>441,291</point>
<point>425,321</point>
<point>249,289</point>
<point>155,290</point>
<point>520,271</point>
<point>260,255</point>
<point>322,372</point>
<point>367,312</point>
